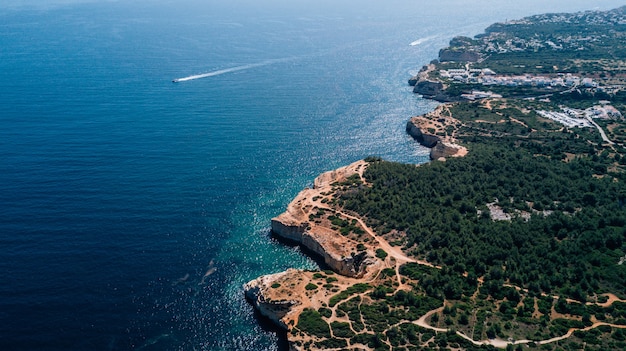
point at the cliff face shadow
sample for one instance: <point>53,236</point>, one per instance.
<point>269,326</point>
<point>318,259</point>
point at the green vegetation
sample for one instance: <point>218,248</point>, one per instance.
<point>380,253</point>
<point>325,312</point>
<point>311,322</point>
<point>442,209</point>
<point>342,329</point>
<point>353,290</point>
<point>525,232</point>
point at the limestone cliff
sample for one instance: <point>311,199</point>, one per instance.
<point>428,88</point>
<point>276,309</point>
<point>443,150</point>
<point>440,146</point>
<point>282,297</point>
<point>422,75</point>
<point>310,220</point>
<point>433,90</point>
<point>337,251</point>
<point>425,139</point>
<point>458,55</point>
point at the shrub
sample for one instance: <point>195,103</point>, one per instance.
<point>325,312</point>
<point>342,329</point>
<point>311,322</point>
<point>355,289</point>
<point>380,253</point>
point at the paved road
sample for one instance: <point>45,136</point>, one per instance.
<point>602,133</point>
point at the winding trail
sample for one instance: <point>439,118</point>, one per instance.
<point>401,258</point>
<point>396,258</point>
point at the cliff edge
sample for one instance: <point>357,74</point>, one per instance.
<point>319,236</point>
<point>432,131</point>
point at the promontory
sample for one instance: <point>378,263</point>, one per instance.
<point>513,236</point>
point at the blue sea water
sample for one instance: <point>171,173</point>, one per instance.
<point>119,189</point>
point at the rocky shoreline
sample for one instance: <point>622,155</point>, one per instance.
<point>439,147</point>
<point>380,288</point>
<point>430,130</point>
<point>282,297</point>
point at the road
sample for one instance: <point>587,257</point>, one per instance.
<point>602,133</point>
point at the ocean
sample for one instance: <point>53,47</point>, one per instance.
<point>133,208</point>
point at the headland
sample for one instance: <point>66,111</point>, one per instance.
<point>512,237</point>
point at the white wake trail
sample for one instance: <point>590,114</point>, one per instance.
<point>230,70</point>
<point>422,40</point>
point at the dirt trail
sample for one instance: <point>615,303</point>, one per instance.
<point>609,302</point>
<point>572,330</point>
<point>422,321</point>
<point>500,343</point>
<point>396,258</point>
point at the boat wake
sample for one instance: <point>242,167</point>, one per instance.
<point>230,70</point>
<point>422,40</point>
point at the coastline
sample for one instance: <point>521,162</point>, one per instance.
<point>317,309</point>
<point>354,257</point>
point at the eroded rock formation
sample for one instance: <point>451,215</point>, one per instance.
<point>336,250</point>
<point>440,147</point>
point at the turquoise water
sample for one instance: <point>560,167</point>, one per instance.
<point>119,189</point>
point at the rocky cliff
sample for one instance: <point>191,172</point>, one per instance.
<point>282,297</point>
<point>428,88</point>
<point>310,221</point>
<point>458,55</point>
<point>425,139</point>
<point>439,148</point>
<point>337,251</point>
<point>422,75</point>
<point>444,150</point>
<point>433,90</point>
<point>274,307</point>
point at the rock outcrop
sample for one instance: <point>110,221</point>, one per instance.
<point>433,90</point>
<point>439,148</point>
<point>288,227</point>
<point>428,88</point>
<point>458,55</point>
<point>444,150</point>
<point>277,310</point>
<point>282,297</point>
<point>337,251</point>
<point>422,74</point>
<point>427,140</point>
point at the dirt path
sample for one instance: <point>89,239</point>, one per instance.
<point>401,258</point>
<point>396,258</point>
<point>500,343</point>
<point>611,297</point>
<point>572,330</point>
<point>518,122</point>
<point>609,302</point>
<point>422,321</point>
